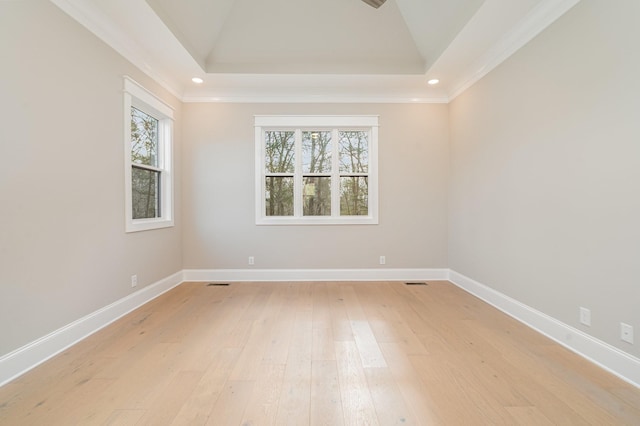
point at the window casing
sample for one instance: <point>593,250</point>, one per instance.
<point>148,144</point>
<point>316,170</point>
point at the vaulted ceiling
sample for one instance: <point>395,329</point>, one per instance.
<point>316,50</point>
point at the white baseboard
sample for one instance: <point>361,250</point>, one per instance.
<point>314,274</point>
<point>612,359</point>
<point>35,353</point>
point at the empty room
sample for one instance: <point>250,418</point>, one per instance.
<point>336,212</point>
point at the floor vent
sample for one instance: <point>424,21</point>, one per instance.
<point>416,283</point>
<point>217,284</point>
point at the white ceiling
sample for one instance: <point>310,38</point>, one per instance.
<point>315,37</point>
<point>316,50</point>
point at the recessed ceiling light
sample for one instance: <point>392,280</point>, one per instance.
<point>197,80</point>
<point>433,81</point>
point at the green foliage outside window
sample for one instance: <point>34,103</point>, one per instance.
<point>145,178</point>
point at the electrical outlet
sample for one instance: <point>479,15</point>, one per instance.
<point>585,316</point>
<point>134,280</point>
<point>626,333</point>
<point>383,260</point>
<point>251,260</point>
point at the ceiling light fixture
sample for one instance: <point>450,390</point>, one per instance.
<point>197,80</point>
<point>374,3</point>
<point>433,81</point>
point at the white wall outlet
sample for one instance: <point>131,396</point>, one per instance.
<point>585,316</point>
<point>134,280</point>
<point>626,333</point>
<point>252,260</point>
<point>383,260</point>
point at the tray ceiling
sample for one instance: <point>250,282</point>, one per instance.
<point>315,51</point>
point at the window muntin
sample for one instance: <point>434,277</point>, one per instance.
<point>148,160</point>
<point>316,170</point>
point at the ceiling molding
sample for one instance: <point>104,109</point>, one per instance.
<point>89,16</point>
<point>305,99</point>
<point>543,15</point>
<point>172,67</point>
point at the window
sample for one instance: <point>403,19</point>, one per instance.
<point>148,163</point>
<point>316,170</point>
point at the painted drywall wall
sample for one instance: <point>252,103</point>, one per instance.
<point>545,177</point>
<point>63,249</point>
<point>218,193</point>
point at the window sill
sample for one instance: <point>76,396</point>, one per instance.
<point>277,221</point>
<point>148,224</point>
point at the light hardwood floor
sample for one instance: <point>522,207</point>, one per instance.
<point>321,354</point>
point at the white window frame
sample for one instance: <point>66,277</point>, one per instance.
<point>138,97</point>
<point>300,123</point>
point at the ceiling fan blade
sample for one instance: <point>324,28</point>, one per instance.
<point>374,3</point>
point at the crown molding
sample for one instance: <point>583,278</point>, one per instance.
<point>90,17</point>
<point>543,15</point>
<point>302,99</point>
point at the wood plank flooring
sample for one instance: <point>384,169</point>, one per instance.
<point>322,353</point>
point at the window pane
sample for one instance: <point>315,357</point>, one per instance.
<point>316,152</point>
<point>144,138</point>
<point>317,196</point>
<point>354,152</point>
<point>354,196</point>
<point>279,196</point>
<point>145,185</point>
<point>279,152</point>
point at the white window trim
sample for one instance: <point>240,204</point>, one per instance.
<point>279,122</point>
<point>137,96</point>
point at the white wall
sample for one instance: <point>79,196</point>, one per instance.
<point>545,186</point>
<point>219,213</point>
<point>63,249</point>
